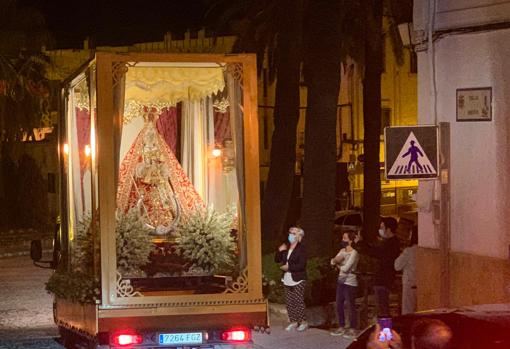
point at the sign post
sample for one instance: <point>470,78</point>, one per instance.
<point>411,152</point>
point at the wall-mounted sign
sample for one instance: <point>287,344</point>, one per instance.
<point>474,104</point>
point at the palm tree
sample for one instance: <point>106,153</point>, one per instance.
<point>334,33</point>
<point>396,11</point>
<point>372,116</point>
<point>22,66</point>
<point>22,87</point>
<point>322,77</point>
<point>273,29</point>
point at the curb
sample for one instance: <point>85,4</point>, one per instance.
<point>19,254</point>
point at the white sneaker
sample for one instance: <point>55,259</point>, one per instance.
<point>338,332</point>
<point>302,327</point>
<point>291,326</point>
<point>350,334</point>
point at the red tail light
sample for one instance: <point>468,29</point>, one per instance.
<point>127,338</point>
<point>236,335</point>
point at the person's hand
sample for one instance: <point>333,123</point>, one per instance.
<point>282,247</point>
<point>374,342</point>
<point>332,262</point>
<point>396,341</point>
<point>285,267</point>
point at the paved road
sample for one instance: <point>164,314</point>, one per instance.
<point>311,339</point>
<point>26,315</point>
<point>26,319</point>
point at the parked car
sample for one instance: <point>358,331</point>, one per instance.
<point>474,327</point>
<point>352,220</point>
<point>348,220</point>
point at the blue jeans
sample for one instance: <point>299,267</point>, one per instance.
<point>346,294</point>
<point>382,300</point>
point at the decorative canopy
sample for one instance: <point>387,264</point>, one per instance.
<point>162,87</point>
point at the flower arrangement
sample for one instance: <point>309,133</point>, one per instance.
<point>75,286</point>
<point>134,243</point>
<point>205,241</point>
<point>79,283</point>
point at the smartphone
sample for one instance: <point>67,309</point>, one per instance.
<point>386,324</point>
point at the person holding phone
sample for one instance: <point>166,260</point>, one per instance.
<point>346,261</point>
<point>426,333</point>
<point>292,259</point>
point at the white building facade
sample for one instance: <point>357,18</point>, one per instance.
<point>464,50</point>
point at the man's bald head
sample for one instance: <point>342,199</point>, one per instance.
<point>431,334</point>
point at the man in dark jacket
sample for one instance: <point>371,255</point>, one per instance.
<point>385,252</point>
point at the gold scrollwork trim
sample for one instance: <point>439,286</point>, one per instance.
<point>119,69</point>
<point>240,285</point>
<point>125,289</point>
<point>197,303</point>
<point>236,70</point>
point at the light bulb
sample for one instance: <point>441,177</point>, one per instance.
<point>216,152</point>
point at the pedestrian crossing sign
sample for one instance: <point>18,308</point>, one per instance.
<point>411,152</point>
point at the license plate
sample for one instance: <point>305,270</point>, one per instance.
<point>180,338</point>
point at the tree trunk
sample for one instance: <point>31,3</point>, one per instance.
<point>280,181</point>
<point>372,124</point>
<point>322,74</point>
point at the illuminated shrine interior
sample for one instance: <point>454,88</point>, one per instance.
<point>178,149</point>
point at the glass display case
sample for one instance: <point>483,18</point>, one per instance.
<point>160,169</point>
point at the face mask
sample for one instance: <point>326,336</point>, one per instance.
<point>382,233</point>
<point>344,244</point>
<point>292,238</point>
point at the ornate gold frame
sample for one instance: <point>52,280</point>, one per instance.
<point>248,288</point>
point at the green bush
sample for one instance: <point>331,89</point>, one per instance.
<point>75,286</point>
<point>271,280</point>
<point>321,283</point>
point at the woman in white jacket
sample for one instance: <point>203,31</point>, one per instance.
<point>407,263</point>
<point>346,261</point>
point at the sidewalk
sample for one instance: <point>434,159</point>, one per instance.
<point>309,339</point>
<point>16,242</point>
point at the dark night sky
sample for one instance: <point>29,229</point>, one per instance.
<point>115,22</point>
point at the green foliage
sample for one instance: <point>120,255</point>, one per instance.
<point>321,281</point>
<point>134,243</point>
<point>205,240</point>
<point>271,280</point>
<point>315,268</point>
<point>75,286</point>
<point>83,248</point>
<point>78,284</point>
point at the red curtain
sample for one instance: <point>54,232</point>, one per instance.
<point>168,126</point>
<point>221,127</point>
<point>83,135</point>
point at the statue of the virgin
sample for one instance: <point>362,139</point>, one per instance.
<point>152,180</point>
